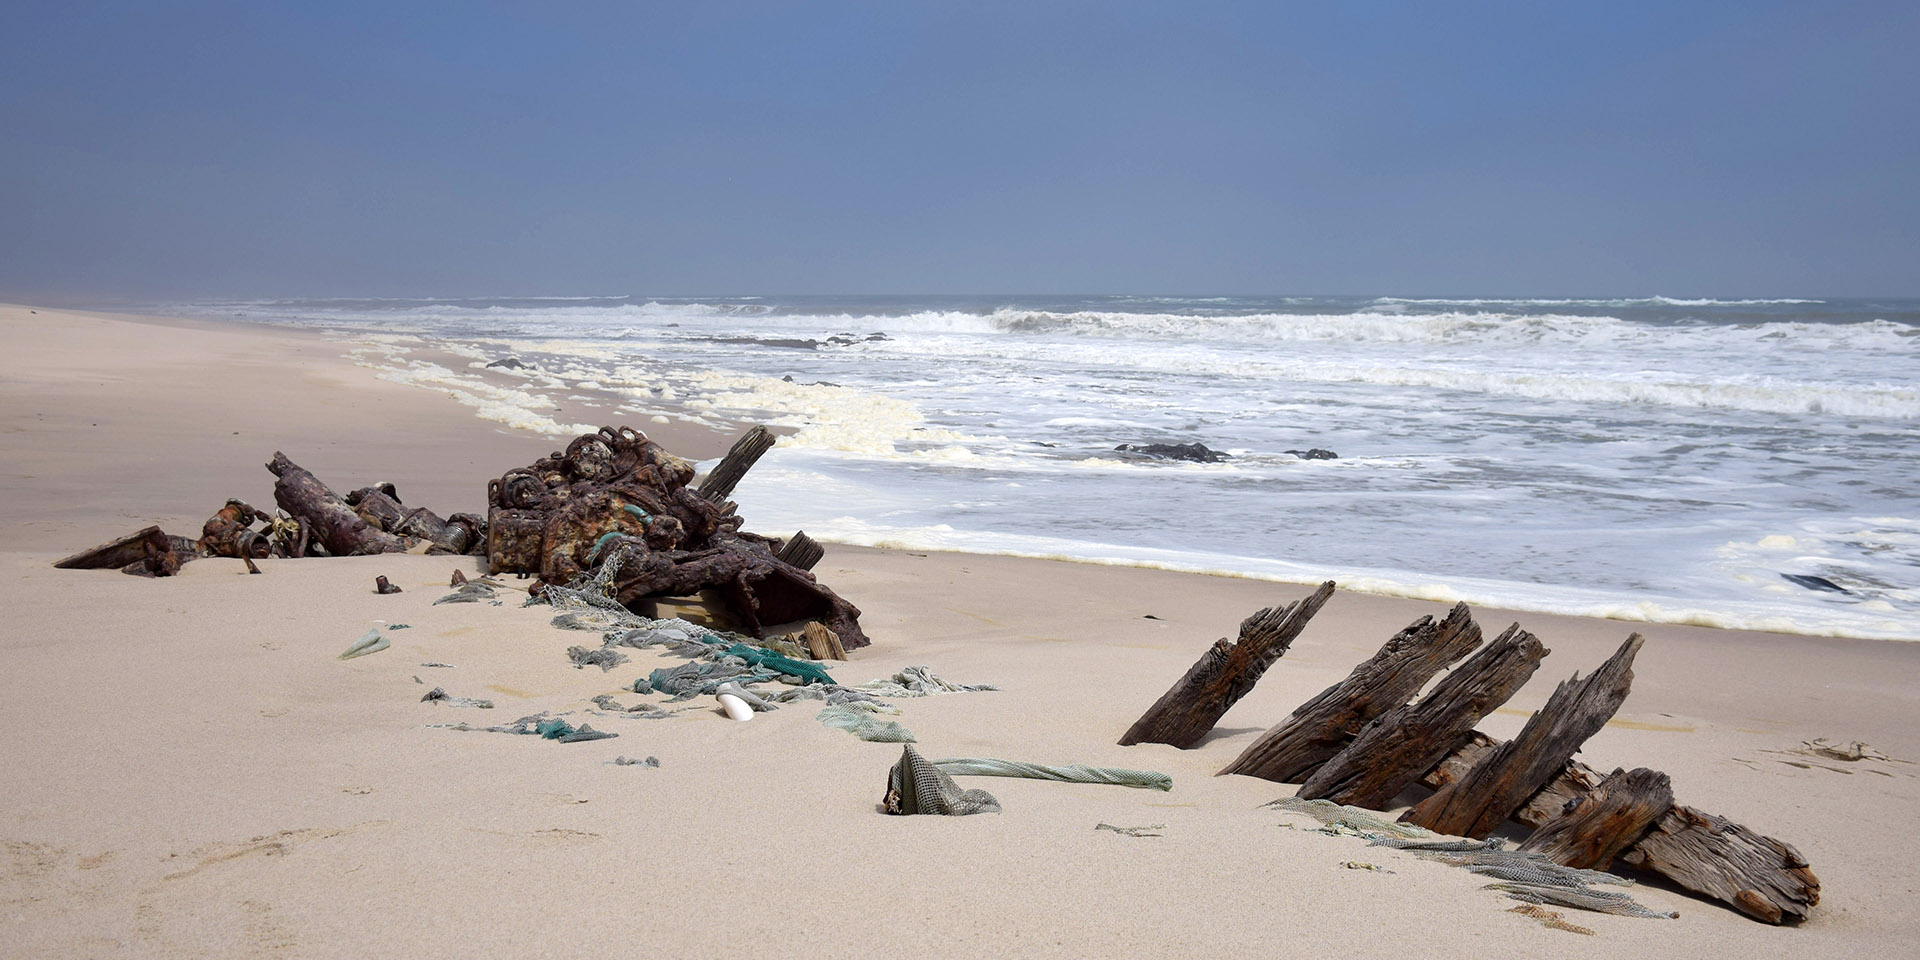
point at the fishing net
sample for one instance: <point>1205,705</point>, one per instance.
<point>674,631</point>
<point>587,603</point>
<point>1600,901</point>
<point>540,725</point>
<point>439,695</point>
<point>473,591</point>
<point>918,682</point>
<point>699,677</point>
<point>1340,818</point>
<point>807,672</point>
<point>1072,773</point>
<point>915,786</point>
<point>606,658</point>
<point>865,725</point>
<point>1524,866</point>
<point>1524,875</point>
<point>754,700</point>
<point>833,694</point>
<point>1437,846</point>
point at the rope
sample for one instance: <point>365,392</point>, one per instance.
<point>1073,773</point>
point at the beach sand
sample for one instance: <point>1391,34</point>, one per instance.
<point>189,771</point>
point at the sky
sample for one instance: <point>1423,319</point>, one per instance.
<point>163,149</point>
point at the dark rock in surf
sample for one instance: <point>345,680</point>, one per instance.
<point>1812,582</point>
<point>785,343</point>
<point>847,339</point>
<point>1193,452</point>
<point>1315,454</point>
<point>508,363</point>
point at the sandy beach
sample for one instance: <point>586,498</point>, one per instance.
<point>191,772</point>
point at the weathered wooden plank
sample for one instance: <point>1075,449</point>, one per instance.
<point>1224,674</point>
<point>822,643</point>
<point>740,458</point>
<point>116,553</point>
<point>1482,798</point>
<point>1397,747</point>
<point>1322,726</point>
<point>801,551</point>
<point>1764,878</point>
<point>1596,828</point>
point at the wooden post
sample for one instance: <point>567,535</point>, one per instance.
<point>726,475</point>
<point>1224,674</point>
<point>1596,828</point>
<point>1483,798</point>
<point>1323,725</point>
<point>1396,748</point>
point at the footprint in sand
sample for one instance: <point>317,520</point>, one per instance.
<point>276,845</point>
<point>549,837</point>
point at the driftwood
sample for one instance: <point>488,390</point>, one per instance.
<point>1322,726</point>
<point>615,495</point>
<point>1224,674</point>
<point>1596,828</point>
<point>740,458</point>
<point>1482,798</point>
<point>1394,749</point>
<point>1764,878</point>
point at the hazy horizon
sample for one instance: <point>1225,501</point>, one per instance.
<point>228,150</point>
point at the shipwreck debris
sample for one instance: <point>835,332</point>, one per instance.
<point>617,493</point>
<point>1363,740</point>
<point>612,493</point>
<point>1223,674</point>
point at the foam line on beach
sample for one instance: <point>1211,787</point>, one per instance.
<point>1509,595</point>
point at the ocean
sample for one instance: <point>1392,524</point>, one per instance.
<point>1730,462</point>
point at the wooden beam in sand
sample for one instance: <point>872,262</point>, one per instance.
<point>117,553</point>
<point>1595,829</point>
<point>1764,878</point>
<point>1324,725</point>
<point>1224,674</point>
<point>822,643</point>
<point>1481,799</point>
<point>1396,748</point>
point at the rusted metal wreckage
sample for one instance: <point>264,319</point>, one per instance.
<point>611,494</point>
<point>1367,738</point>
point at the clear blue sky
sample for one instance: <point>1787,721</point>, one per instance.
<point>395,149</point>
